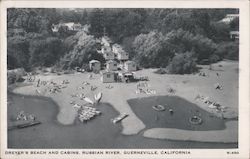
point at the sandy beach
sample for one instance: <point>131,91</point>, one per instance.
<point>185,86</point>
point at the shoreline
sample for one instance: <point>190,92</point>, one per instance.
<point>220,136</point>
<point>121,92</point>
<point>166,133</point>
<point>71,132</point>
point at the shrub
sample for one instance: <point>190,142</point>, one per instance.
<point>68,72</point>
<point>56,68</point>
<point>15,75</point>
<point>229,50</point>
<point>86,67</point>
<point>18,52</point>
<point>11,78</point>
<point>161,71</point>
<point>182,64</point>
<point>214,58</point>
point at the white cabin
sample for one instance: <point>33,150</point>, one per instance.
<point>70,26</point>
<point>107,53</point>
<point>95,66</point>
<point>130,66</point>
<point>77,27</point>
<point>108,77</point>
<point>111,65</point>
<point>119,52</point>
<point>229,18</point>
<point>234,35</point>
<point>106,41</point>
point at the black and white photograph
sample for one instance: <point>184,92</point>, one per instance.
<point>122,78</point>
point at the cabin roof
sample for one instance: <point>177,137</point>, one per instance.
<point>234,32</point>
<point>107,72</point>
<point>129,62</point>
<point>94,61</point>
<point>111,61</point>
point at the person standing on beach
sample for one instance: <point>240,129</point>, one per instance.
<point>38,82</point>
<point>90,76</point>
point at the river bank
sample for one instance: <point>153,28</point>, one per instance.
<point>52,134</point>
<point>185,86</point>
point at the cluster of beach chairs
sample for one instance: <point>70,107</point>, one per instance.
<point>203,74</point>
<point>86,113</point>
<point>92,88</point>
<point>143,87</point>
<point>23,116</point>
<point>109,86</point>
<point>218,86</point>
<point>211,104</point>
<point>52,86</point>
<point>143,78</point>
<point>30,77</point>
<point>171,90</point>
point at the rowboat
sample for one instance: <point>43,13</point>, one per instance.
<point>119,118</point>
<point>98,97</point>
<point>88,100</point>
<point>212,106</point>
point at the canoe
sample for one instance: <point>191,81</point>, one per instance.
<point>88,100</point>
<point>158,107</point>
<point>24,124</point>
<point>98,97</point>
<point>119,118</point>
<point>212,106</point>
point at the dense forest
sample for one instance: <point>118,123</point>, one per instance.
<point>176,39</point>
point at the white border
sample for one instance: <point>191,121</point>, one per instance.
<point>195,153</point>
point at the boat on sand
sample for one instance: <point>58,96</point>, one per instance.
<point>98,97</point>
<point>88,100</point>
<point>119,118</point>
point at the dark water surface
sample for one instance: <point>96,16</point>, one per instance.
<point>182,112</point>
<point>98,133</point>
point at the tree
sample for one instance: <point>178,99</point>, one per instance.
<point>202,20</point>
<point>31,20</point>
<point>184,41</point>
<point>229,50</point>
<point>17,52</point>
<point>182,63</point>
<point>234,25</point>
<point>83,52</point>
<point>96,20</point>
<point>45,52</point>
<point>152,50</point>
<point>220,32</point>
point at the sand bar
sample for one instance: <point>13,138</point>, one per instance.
<point>222,136</point>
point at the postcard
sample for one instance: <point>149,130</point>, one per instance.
<point>125,79</point>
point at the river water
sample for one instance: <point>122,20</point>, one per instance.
<point>97,133</point>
